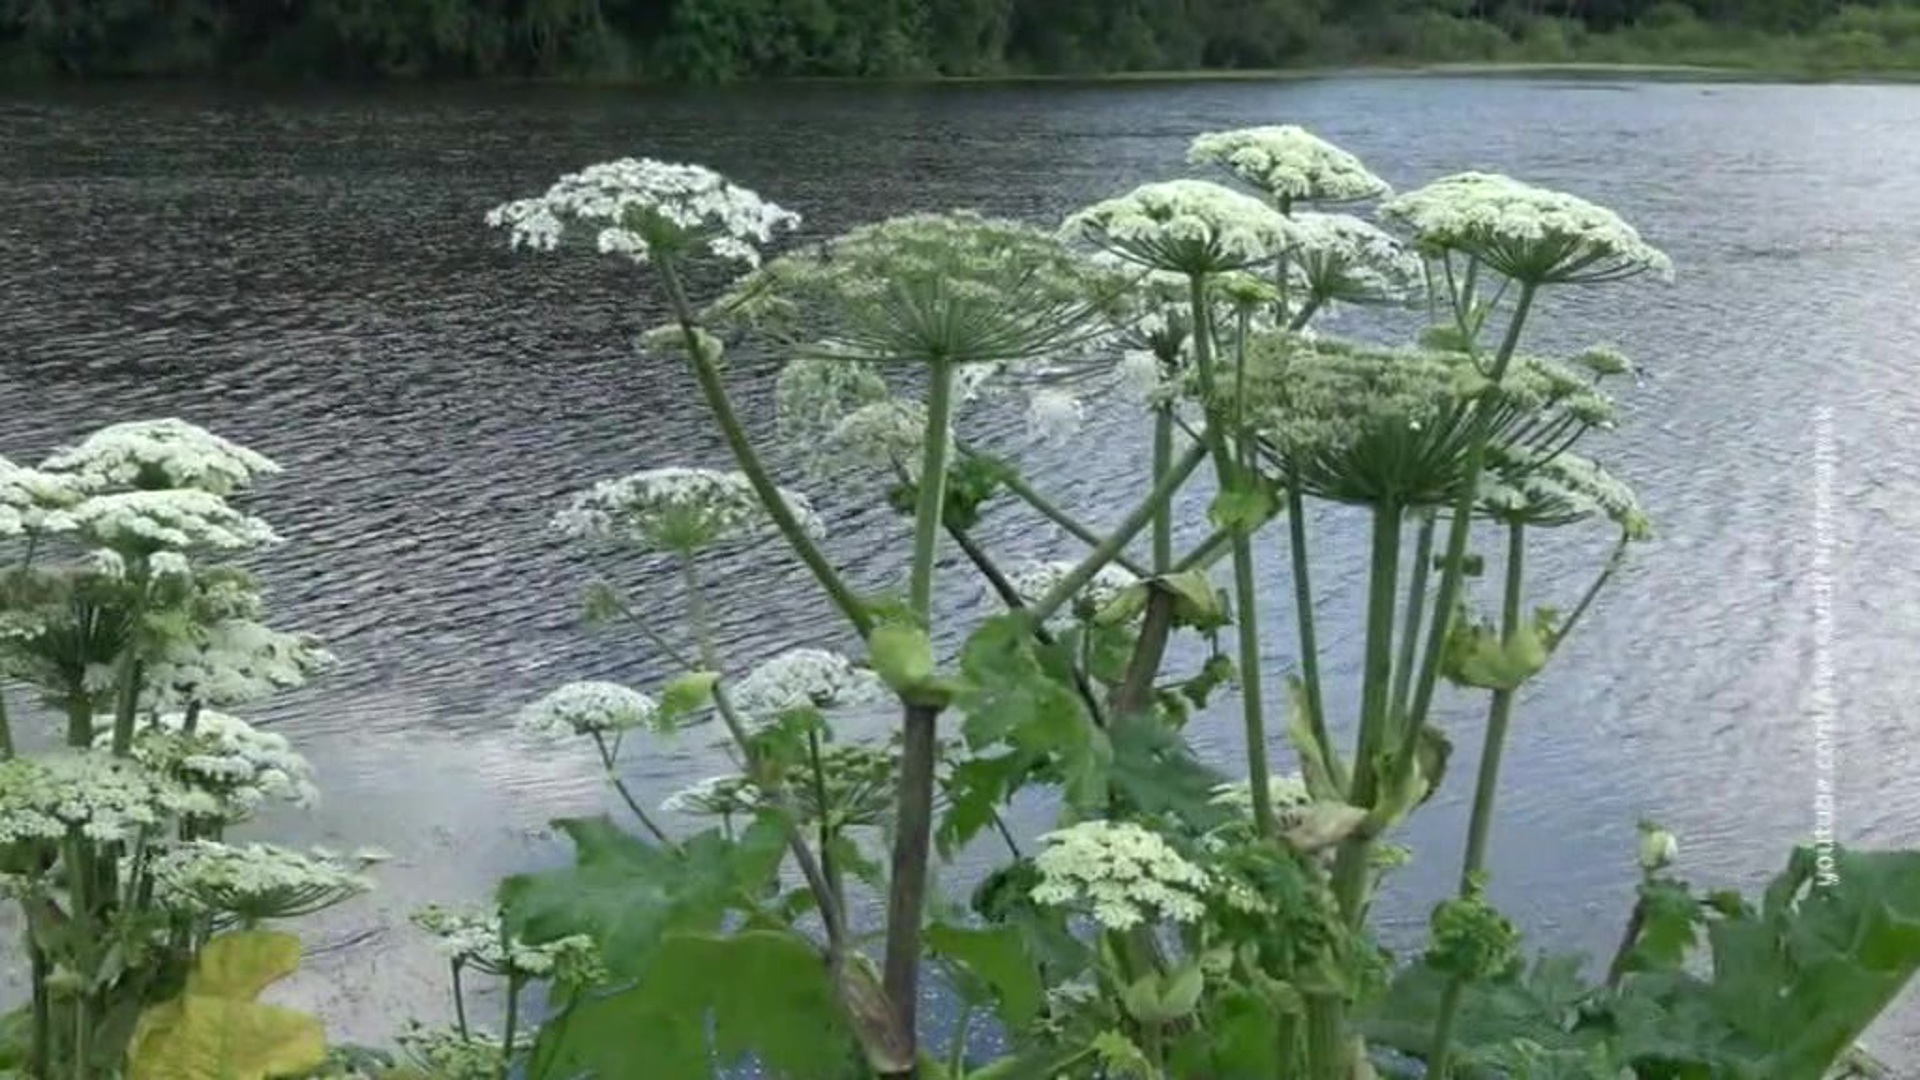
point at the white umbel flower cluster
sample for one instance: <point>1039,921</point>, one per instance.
<point>1186,227</point>
<point>107,799</point>
<point>147,522</point>
<point>1125,874</point>
<point>232,662</point>
<point>235,765</point>
<point>1286,791</point>
<point>33,501</point>
<point>1033,581</point>
<point>1530,487</point>
<point>479,941</point>
<point>676,509</point>
<point>157,454</point>
<point>1289,163</point>
<point>727,796</point>
<point>588,708</point>
<point>639,208</point>
<point>805,678</point>
<point>249,883</point>
<point>1340,258</point>
<point>1527,233</point>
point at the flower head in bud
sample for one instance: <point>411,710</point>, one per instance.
<point>588,708</point>
<point>1658,848</point>
<point>640,209</point>
<point>1530,234</point>
<point>805,678</point>
<point>1289,164</point>
<point>676,510</point>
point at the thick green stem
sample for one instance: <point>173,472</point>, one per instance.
<point>6,728</point>
<point>907,887</point>
<point>1149,651</point>
<point>1499,714</point>
<point>40,1050</point>
<point>1353,865</point>
<point>79,718</point>
<point>1162,461</point>
<point>127,702</point>
<point>1229,470</point>
<point>1304,611</point>
<point>511,1027</point>
<point>1122,535</point>
<point>1416,615</point>
<point>707,371</point>
<point>933,489</point>
<point>1486,785</point>
<point>1253,716</point>
<point>459,1000</point>
<point>1453,568</point>
<point>825,814</point>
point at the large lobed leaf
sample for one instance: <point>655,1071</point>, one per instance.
<point>627,894</point>
<point>215,1030</point>
<point>706,1003</point>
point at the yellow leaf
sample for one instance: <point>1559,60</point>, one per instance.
<point>239,966</point>
<point>216,1031</point>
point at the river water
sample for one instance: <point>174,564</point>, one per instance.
<point>310,275</point>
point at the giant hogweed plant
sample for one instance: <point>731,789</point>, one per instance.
<point>123,615</point>
<point>1186,919</point>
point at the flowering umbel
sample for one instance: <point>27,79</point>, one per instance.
<point>679,510</point>
<point>1125,874</point>
<point>1288,163</point>
<point>641,209</point>
<point>1530,234</point>
<point>1188,227</point>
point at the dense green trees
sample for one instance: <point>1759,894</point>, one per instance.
<point>721,39</point>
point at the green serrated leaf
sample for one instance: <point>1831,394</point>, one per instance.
<point>686,695</point>
<point>215,1030</point>
<point>705,1003</point>
<point>998,960</point>
<point>628,895</point>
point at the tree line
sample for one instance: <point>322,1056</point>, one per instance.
<point>708,40</point>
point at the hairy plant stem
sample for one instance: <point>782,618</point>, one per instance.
<point>997,580</point>
<point>1162,462</point>
<point>1304,612</point>
<point>706,370</point>
<point>127,701</point>
<point>510,1027</point>
<point>626,795</point>
<point>459,999</point>
<point>6,728</point>
<point>831,913</point>
<point>1229,469</point>
<point>919,748</point>
<point>1131,526</point>
<point>1352,870</point>
<point>1071,525</point>
<point>1486,785</point>
<point>819,778</point>
<point>1149,652</point>
<point>907,884</point>
<point>1453,566</point>
<point>1415,617</point>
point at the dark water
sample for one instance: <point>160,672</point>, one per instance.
<point>311,276</point>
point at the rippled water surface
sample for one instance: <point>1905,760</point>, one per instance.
<point>311,277</point>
